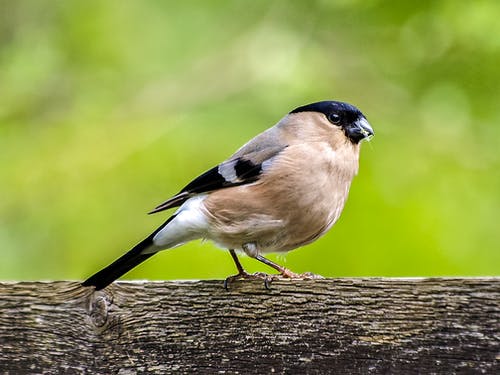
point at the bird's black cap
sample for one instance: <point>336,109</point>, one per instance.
<point>342,114</point>
<point>328,107</point>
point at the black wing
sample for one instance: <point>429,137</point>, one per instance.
<point>234,172</point>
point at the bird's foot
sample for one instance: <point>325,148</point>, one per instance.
<point>249,276</point>
<point>287,274</point>
<point>268,279</point>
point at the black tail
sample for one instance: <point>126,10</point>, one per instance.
<point>125,263</point>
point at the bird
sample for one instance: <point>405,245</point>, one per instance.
<point>281,190</point>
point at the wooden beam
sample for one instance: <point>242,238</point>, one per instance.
<point>339,326</point>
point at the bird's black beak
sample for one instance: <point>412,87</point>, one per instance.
<point>359,130</point>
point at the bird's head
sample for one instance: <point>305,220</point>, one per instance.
<point>343,116</point>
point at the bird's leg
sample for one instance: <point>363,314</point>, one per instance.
<point>237,262</point>
<point>242,274</point>
<point>285,272</point>
<point>252,250</point>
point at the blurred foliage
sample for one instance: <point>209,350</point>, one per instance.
<point>107,108</point>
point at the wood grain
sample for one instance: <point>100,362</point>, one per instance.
<point>319,326</point>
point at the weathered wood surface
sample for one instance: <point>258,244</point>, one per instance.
<point>321,326</point>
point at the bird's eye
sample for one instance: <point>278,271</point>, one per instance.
<point>334,118</point>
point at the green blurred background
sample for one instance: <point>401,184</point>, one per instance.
<point>107,108</point>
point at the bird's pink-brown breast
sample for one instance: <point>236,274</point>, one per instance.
<point>297,199</point>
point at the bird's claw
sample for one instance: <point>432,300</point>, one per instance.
<point>268,279</point>
<point>250,276</point>
<point>287,274</point>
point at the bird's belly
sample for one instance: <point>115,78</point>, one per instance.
<point>306,227</point>
<point>297,223</point>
